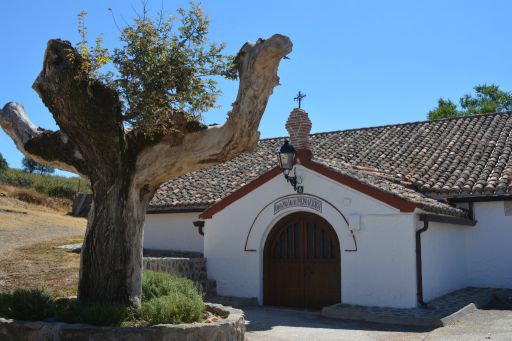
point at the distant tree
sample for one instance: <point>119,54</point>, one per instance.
<point>445,109</point>
<point>3,163</point>
<point>31,166</point>
<point>487,99</point>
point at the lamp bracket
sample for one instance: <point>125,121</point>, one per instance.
<point>294,180</point>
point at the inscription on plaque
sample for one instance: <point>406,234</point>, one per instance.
<point>298,201</point>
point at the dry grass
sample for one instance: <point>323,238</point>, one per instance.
<point>31,214</point>
<point>29,234</point>
<point>32,197</point>
<point>32,265</point>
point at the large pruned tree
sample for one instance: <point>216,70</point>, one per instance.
<point>107,139</point>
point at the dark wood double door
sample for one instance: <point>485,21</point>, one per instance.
<point>301,263</point>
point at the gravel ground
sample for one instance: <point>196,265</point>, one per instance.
<point>480,325</point>
<point>279,324</point>
<point>274,324</point>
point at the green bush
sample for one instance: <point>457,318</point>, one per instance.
<point>61,192</point>
<point>158,284</point>
<point>165,299</point>
<point>3,164</point>
<point>169,299</point>
<point>31,304</point>
<point>15,178</point>
<point>100,315</point>
<point>174,309</point>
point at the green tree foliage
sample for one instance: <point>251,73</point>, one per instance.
<point>445,109</point>
<point>164,69</point>
<point>31,166</point>
<point>487,99</point>
<point>94,57</point>
<point>3,164</point>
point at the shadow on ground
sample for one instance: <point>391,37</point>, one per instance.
<point>500,302</point>
<point>267,318</point>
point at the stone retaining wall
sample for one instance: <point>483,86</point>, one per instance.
<point>172,253</point>
<point>191,268</point>
<point>230,328</point>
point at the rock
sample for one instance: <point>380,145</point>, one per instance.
<point>75,248</point>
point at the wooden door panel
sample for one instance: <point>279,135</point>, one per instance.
<point>302,263</point>
<point>283,266</point>
<point>321,284</point>
<point>282,293</point>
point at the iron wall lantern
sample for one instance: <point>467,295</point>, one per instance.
<point>287,156</point>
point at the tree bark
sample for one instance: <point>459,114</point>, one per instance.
<point>111,257</point>
<point>124,169</point>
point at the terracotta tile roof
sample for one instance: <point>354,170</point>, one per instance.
<point>402,192</point>
<point>468,156</point>
<point>205,187</point>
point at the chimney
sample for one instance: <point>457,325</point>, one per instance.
<point>299,127</point>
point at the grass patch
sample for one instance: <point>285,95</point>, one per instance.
<point>166,299</point>
<point>26,266</point>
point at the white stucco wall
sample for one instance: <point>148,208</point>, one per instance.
<point>444,259</point>
<point>455,256</point>
<point>489,247</point>
<point>382,271</point>
<point>172,232</point>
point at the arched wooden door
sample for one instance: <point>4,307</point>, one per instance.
<point>301,263</point>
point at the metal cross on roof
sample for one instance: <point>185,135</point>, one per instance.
<point>300,97</point>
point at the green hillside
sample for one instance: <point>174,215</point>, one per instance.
<point>52,185</point>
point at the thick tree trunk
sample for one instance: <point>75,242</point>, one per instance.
<point>111,258</point>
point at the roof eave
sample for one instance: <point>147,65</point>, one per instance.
<point>163,210</point>
<point>472,197</point>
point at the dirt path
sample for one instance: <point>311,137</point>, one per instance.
<point>29,236</point>
<point>22,225</point>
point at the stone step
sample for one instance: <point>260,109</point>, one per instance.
<point>439,312</point>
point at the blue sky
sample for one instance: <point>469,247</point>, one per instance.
<point>361,63</point>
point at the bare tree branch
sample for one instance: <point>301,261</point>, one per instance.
<point>43,146</point>
<point>173,156</point>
